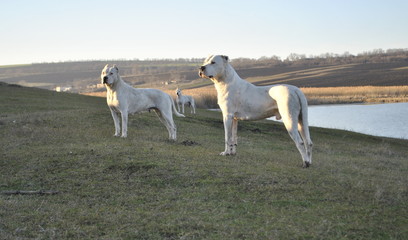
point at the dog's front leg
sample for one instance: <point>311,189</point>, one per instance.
<point>230,146</point>
<point>124,123</point>
<point>115,117</point>
<point>234,132</point>
<point>178,105</point>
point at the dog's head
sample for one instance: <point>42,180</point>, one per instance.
<point>214,67</point>
<point>178,91</point>
<point>109,75</point>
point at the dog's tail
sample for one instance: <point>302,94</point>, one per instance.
<point>174,108</point>
<point>303,105</point>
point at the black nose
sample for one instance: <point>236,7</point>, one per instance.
<point>105,79</point>
<point>202,68</point>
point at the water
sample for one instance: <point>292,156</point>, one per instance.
<point>385,120</point>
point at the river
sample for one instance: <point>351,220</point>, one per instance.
<point>385,120</point>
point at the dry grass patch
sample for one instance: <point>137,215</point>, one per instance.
<point>364,94</point>
<point>206,97</point>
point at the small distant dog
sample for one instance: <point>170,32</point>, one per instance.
<point>185,99</point>
<point>124,99</point>
<point>241,100</point>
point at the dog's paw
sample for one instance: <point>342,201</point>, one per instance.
<point>226,154</point>
<point>306,164</point>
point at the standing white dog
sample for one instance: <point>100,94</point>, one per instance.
<point>124,99</point>
<point>241,100</point>
<point>184,99</point>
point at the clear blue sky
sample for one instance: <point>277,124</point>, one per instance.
<point>51,30</point>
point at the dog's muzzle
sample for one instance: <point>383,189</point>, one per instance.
<point>201,72</point>
<point>105,79</point>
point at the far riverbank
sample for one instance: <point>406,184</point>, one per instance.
<point>206,97</point>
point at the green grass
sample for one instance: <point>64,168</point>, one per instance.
<point>146,187</point>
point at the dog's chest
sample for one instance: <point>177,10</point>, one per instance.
<point>112,99</point>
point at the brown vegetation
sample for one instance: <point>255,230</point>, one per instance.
<point>365,94</point>
<point>207,97</point>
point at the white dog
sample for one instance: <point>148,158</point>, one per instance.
<point>241,100</point>
<point>124,99</point>
<point>184,99</point>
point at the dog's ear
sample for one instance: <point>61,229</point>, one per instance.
<point>208,58</point>
<point>106,67</point>
<point>226,58</point>
<point>115,67</point>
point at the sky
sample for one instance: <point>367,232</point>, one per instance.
<point>53,31</point>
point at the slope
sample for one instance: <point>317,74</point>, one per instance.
<point>145,187</point>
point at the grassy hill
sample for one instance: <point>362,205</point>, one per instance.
<point>146,187</point>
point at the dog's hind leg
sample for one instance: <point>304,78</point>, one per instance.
<point>167,120</point>
<point>193,106</point>
<point>290,117</point>
<point>304,132</point>
<point>303,127</point>
<point>290,108</point>
<point>161,118</point>
<point>171,127</point>
<point>292,128</point>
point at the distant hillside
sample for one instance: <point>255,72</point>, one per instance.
<point>370,74</point>
<point>377,68</point>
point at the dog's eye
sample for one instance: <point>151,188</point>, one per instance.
<point>110,73</point>
<point>212,62</point>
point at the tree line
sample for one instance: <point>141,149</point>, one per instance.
<point>294,59</point>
